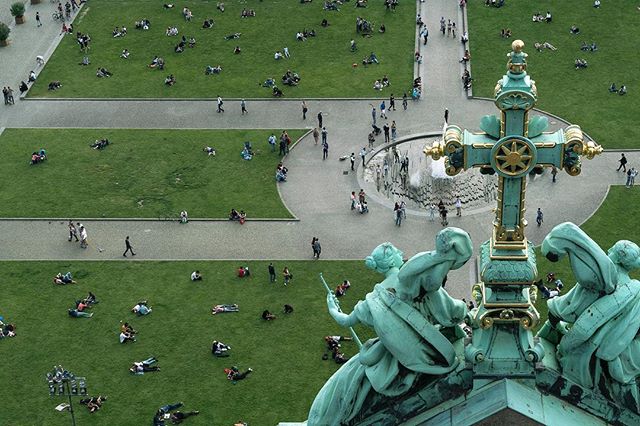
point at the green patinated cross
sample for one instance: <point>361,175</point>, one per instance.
<point>512,146</point>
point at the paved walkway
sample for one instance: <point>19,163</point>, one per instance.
<point>317,191</point>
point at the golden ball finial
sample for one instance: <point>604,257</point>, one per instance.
<point>517,45</point>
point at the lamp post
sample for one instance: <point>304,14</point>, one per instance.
<point>63,382</point>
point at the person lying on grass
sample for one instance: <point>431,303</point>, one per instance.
<point>75,313</point>
<point>234,373</point>
<point>157,62</point>
<point>142,367</point>
<point>219,349</point>
<point>141,308</point>
<point>170,80</point>
<point>61,279</point>
<point>268,316</point>
<point>212,70</point>
<point>90,299</point>
<point>220,309</point>
<point>103,73</point>
<point>100,144</point>
<point>93,403</point>
<point>232,36</point>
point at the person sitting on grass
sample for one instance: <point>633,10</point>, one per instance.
<point>581,63</point>
<point>267,316</point>
<point>574,30</point>
<point>141,308</point>
<point>171,31</point>
<point>373,59</point>
<point>208,23</point>
<point>290,78</point>
<point>221,309</point>
<point>623,90</point>
<point>237,50</point>
<point>278,55</point>
<point>339,357</point>
<point>192,42</point>
<point>212,70</point>
<point>179,47</point>
<point>142,367</point>
<point>342,288</point>
<point>93,403</point>
<point>61,279</point>
<point>281,173</point>
<point>196,276</point>
<point>234,215</point>
<point>75,313</point>
<point>125,54</point>
<point>276,92</point>
<point>154,62</point>
<point>219,349</point>
<point>287,309</point>
<point>103,73</point>
<point>220,6</point>
<point>247,13</point>
<point>243,271</point>
<point>232,36</point>
<point>211,152</point>
<point>377,85</point>
<point>143,24</point>
<point>54,85</point>
<point>6,330</point>
<point>246,153</point>
<point>100,144</point>
<point>170,80</point>
<point>127,328</point>
<point>184,216</point>
<point>330,5</point>
<point>126,337</point>
<point>234,373</point>
<point>90,300</point>
<point>168,6</point>
<point>612,88</point>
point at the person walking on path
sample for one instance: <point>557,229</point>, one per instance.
<point>362,196</point>
<point>73,232</point>
<point>425,35</point>
<point>353,200</point>
<point>458,207</point>
<point>383,110</point>
<point>352,158</point>
<point>304,110</point>
<point>220,109</point>
<point>554,173</point>
<point>623,164</point>
<point>628,184</point>
<point>443,25</point>
<point>385,129</point>
<point>325,150</point>
<point>405,101</point>
<point>272,273</point>
<point>316,135</point>
<point>286,275</point>
<point>363,154</point>
<point>397,212</point>
<point>317,249</point>
<point>394,130</point>
<point>539,217</point>
<point>634,173</point>
<point>83,237</point>
<point>243,106</point>
<point>373,114</point>
<point>38,23</point>
<point>432,212</point>
<point>320,120</point>
<point>446,116</point>
<point>128,246</point>
<point>324,135</point>
<point>443,215</point>
<point>392,102</point>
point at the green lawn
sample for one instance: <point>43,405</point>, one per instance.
<point>144,173</point>
<point>611,223</point>
<point>580,96</point>
<point>285,354</point>
<point>323,62</point>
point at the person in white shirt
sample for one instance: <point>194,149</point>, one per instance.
<point>196,276</point>
<point>458,207</point>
